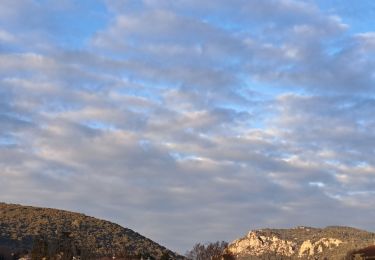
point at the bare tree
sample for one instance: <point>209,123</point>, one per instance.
<point>212,251</point>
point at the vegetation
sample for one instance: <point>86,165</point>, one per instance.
<point>44,231</point>
<point>209,251</point>
<point>51,234</point>
<point>363,253</point>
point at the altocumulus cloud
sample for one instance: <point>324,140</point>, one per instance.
<point>189,120</point>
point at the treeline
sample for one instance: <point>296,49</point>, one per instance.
<point>210,251</point>
<point>218,251</point>
<point>363,253</point>
<point>65,247</point>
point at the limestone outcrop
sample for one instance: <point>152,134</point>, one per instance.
<point>309,248</point>
<point>300,243</point>
<point>258,244</point>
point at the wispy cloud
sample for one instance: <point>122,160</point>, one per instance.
<point>188,120</point>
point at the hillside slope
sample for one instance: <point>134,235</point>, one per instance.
<point>21,225</point>
<point>301,243</point>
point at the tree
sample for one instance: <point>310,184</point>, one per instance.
<point>5,253</point>
<point>165,256</point>
<point>40,249</point>
<point>212,251</point>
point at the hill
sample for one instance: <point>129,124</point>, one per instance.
<point>22,226</point>
<point>331,243</point>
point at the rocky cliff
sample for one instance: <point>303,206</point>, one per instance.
<point>301,243</point>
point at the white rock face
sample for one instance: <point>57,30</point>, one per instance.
<point>309,248</point>
<point>255,244</point>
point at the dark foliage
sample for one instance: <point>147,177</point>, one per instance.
<point>209,251</point>
<point>363,253</point>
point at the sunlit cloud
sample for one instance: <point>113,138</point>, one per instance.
<point>188,121</point>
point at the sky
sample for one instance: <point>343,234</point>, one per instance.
<point>190,120</point>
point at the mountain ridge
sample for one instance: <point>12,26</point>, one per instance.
<point>332,242</point>
<point>21,225</point>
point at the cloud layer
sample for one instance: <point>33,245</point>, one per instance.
<point>189,120</point>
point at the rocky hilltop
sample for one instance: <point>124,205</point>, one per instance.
<point>21,226</point>
<point>301,243</point>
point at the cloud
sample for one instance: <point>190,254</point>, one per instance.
<point>188,120</point>
<point>265,45</point>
